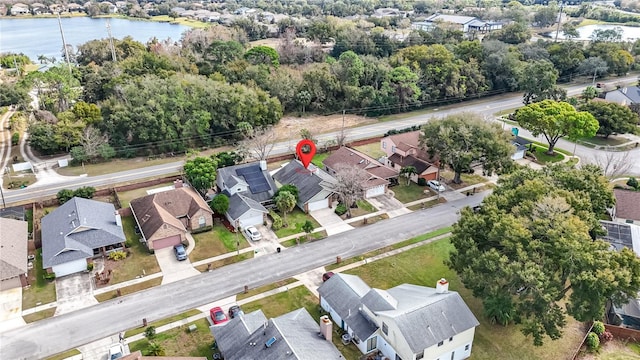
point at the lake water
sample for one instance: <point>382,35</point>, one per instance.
<point>35,37</point>
<point>629,33</point>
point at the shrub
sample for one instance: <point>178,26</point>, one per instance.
<point>202,229</point>
<point>89,266</point>
<point>117,255</point>
<point>606,336</point>
<point>422,182</point>
<point>277,220</point>
<point>633,182</point>
<point>15,139</point>
<point>593,342</point>
<point>341,209</point>
<point>598,327</point>
<point>150,332</point>
<point>50,276</point>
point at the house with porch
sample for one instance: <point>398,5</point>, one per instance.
<point>13,253</point>
<point>314,185</point>
<point>403,150</point>
<point>78,231</point>
<point>380,175</point>
<point>404,322</point>
<point>294,335</point>
<point>164,218</point>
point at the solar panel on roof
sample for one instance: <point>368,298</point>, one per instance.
<point>254,177</point>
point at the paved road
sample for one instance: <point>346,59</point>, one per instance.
<point>47,337</point>
<point>486,107</point>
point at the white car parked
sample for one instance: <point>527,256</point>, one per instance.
<point>253,233</point>
<point>436,185</point>
<point>116,351</point>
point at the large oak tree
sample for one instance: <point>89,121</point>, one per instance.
<point>460,140</point>
<point>529,253</point>
<point>612,117</point>
<point>555,120</point>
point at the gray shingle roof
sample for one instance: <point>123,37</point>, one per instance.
<point>240,204</point>
<point>310,184</point>
<point>425,317</point>
<point>73,230</point>
<point>296,335</point>
<point>344,292</point>
<point>230,178</point>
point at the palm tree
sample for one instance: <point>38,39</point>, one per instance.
<point>285,202</point>
<point>155,349</point>
<point>408,172</point>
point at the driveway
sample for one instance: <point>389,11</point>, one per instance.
<point>331,222</point>
<point>392,206</point>
<point>74,292</point>
<point>172,269</point>
<point>266,245</point>
<point>11,309</point>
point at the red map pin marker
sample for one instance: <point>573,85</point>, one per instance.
<point>305,149</point>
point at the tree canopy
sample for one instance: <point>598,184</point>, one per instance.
<point>529,253</point>
<point>460,140</point>
<point>201,173</point>
<point>555,120</point>
<point>612,117</point>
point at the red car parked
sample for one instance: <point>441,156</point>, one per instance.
<point>218,316</point>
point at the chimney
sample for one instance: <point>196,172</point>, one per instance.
<point>263,165</point>
<point>442,286</point>
<point>177,184</point>
<point>118,219</point>
<point>326,327</point>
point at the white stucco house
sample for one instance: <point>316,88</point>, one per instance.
<point>404,322</point>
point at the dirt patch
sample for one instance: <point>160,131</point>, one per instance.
<point>289,126</point>
<point>613,350</point>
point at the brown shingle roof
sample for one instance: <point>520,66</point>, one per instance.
<point>410,160</point>
<point>13,248</point>
<point>406,140</point>
<point>349,156</point>
<point>627,204</point>
<point>166,207</point>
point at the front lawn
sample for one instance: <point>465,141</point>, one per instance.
<point>408,193</point>
<point>41,290</point>
<point>467,179</point>
<point>215,242</point>
<point>157,324</point>
<point>425,265</point>
<point>295,219</point>
<point>602,141</point>
<point>543,158</point>
<point>129,289</point>
<point>181,342</point>
<point>139,261</point>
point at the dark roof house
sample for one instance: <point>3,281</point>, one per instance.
<point>291,336</point>
<point>314,184</point>
<point>72,232</point>
<point>251,180</point>
<point>627,207</point>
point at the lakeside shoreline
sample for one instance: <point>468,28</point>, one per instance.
<point>196,24</point>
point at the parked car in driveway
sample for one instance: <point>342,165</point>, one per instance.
<point>181,253</point>
<point>218,316</point>
<point>436,185</point>
<point>116,351</point>
<point>235,311</point>
<point>326,276</point>
<point>253,233</point>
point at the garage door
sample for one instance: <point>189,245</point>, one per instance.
<point>166,242</point>
<point>317,205</point>
<point>376,191</point>
<point>71,267</point>
<point>252,220</point>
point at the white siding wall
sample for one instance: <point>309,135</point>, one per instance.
<point>457,346</point>
<point>375,191</point>
<point>518,155</point>
<point>71,267</point>
<point>317,205</point>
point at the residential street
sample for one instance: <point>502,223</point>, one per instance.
<point>57,334</point>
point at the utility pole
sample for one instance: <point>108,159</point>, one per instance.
<point>64,43</point>
<point>113,49</point>
<point>4,205</point>
<point>559,21</point>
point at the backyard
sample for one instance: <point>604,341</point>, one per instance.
<point>126,196</point>
<point>41,291</point>
<point>295,219</point>
<point>215,242</point>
